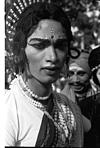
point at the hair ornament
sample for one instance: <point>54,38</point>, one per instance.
<point>25,3</point>
<point>21,5</point>
<point>30,2</point>
<point>17,8</point>
<point>96,67</point>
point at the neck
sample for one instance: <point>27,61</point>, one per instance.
<point>37,87</point>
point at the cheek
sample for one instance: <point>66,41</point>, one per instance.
<point>62,56</point>
<point>84,79</point>
<point>32,55</point>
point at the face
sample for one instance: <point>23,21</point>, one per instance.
<point>98,74</point>
<point>46,51</point>
<point>78,78</point>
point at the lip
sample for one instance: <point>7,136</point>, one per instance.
<point>77,87</point>
<point>51,69</point>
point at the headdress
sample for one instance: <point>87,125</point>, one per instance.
<point>15,12</point>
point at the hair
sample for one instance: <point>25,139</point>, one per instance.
<point>29,19</point>
<point>94,58</point>
<point>94,61</point>
<point>95,79</point>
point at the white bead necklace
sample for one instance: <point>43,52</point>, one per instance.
<point>32,93</point>
<point>44,109</point>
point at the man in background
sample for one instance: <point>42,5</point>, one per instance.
<point>79,89</point>
<point>78,85</point>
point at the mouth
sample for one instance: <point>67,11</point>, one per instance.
<point>77,87</point>
<point>51,70</point>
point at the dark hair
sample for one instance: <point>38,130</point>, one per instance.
<point>95,79</point>
<point>30,18</point>
<point>94,61</point>
<point>94,58</point>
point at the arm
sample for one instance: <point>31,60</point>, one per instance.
<point>86,124</point>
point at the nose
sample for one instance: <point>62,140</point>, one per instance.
<point>75,78</point>
<point>52,55</point>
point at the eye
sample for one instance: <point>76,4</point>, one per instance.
<point>70,73</point>
<point>40,45</point>
<point>81,73</point>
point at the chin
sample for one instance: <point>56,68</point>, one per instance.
<point>49,80</point>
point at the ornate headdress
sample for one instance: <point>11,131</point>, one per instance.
<point>17,8</point>
<point>24,14</point>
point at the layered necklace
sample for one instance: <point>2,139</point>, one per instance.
<point>35,100</point>
<point>39,105</point>
<point>32,94</point>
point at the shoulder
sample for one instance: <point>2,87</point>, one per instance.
<point>14,91</point>
<point>12,97</point>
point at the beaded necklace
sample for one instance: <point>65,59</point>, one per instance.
<point>43,108</point>
<point>32,94</point>
<point>64,132</point>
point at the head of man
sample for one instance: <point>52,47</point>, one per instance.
<point>79,73</point>
<point>41,40</point>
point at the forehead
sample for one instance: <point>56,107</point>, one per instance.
<point>49,29</point>
<point>75,67</point>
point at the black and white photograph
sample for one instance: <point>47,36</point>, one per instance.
<point>51,65</point>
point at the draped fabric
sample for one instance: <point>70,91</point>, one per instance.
<point>59,125</point>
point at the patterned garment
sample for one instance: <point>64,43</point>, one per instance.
<point>58,123</point>
<point>58,128</point>
<point>53,136</point>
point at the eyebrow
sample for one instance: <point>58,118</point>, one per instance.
<point>78,72</point>
<point>36,39</point>
<point>42,40</point>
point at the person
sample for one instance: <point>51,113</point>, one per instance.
<point>40,35</point>
<point>79,89</point>
<point>94,63</point>
<point>78,85</point>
